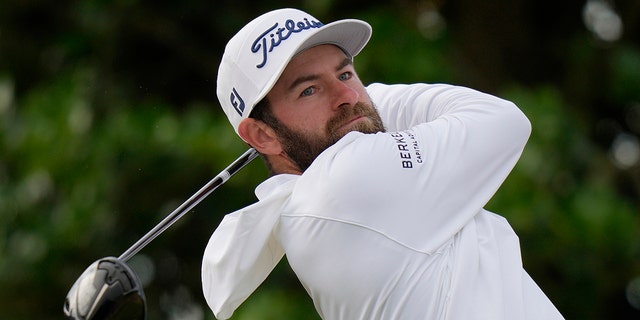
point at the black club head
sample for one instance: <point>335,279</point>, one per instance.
<point>107,289</point>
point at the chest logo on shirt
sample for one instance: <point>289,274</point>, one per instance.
<point>408,149</point>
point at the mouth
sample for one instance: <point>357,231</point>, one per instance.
<point>352,121</point>
<point>355,119</point>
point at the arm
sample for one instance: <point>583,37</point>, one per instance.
<point>462,144</point>
<point>404,106</point>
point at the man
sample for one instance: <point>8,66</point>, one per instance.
<point>377,223</point>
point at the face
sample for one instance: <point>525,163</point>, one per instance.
<point>317,100</point>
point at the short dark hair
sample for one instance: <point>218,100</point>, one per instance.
<point>262,111</point>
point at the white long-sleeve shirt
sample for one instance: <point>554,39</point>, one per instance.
<point>392,225</point>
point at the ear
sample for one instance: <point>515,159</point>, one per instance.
<point>259,136</point>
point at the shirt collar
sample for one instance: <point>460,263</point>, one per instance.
<point>274,183</point>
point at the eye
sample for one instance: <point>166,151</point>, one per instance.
<point>345,76</point>
<point>307,92</point>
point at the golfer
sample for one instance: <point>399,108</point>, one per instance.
<point>376,192</point>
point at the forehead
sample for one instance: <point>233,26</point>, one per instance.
<point>316,52</point>
<point>312,63</point>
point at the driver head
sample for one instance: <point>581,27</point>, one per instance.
<point>107,289</point>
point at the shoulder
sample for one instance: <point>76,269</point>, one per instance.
<point>361,162</point>
<point>350,179</point>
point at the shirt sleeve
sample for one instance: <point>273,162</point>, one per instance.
<point>446,152</point>
<point>239,256</point>
<point>404,106</point>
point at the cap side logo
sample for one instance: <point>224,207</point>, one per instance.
<point>237,102</point>
<point>278,35</point>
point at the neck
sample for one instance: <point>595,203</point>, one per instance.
<point>281,164</point>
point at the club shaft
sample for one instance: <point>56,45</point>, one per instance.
<point>185,207</point>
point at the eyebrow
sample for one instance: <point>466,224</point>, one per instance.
<point>303,79</point>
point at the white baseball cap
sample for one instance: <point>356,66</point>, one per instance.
<point>257,55</point>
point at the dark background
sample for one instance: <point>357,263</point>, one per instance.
<point>109,120</point>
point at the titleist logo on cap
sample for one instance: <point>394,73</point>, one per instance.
<point>278,35</point>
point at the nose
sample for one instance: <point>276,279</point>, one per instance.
<point>344,95</point>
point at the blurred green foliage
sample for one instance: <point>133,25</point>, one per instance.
<point>108,121</point>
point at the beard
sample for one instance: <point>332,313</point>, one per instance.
<point>304,147</point>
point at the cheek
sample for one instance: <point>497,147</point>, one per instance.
<point>304,118</point>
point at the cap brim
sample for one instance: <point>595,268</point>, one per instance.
<point>349,34</point>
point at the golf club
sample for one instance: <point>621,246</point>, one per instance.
<point>109,289</point>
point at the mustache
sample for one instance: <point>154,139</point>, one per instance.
<point>346,114</point>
